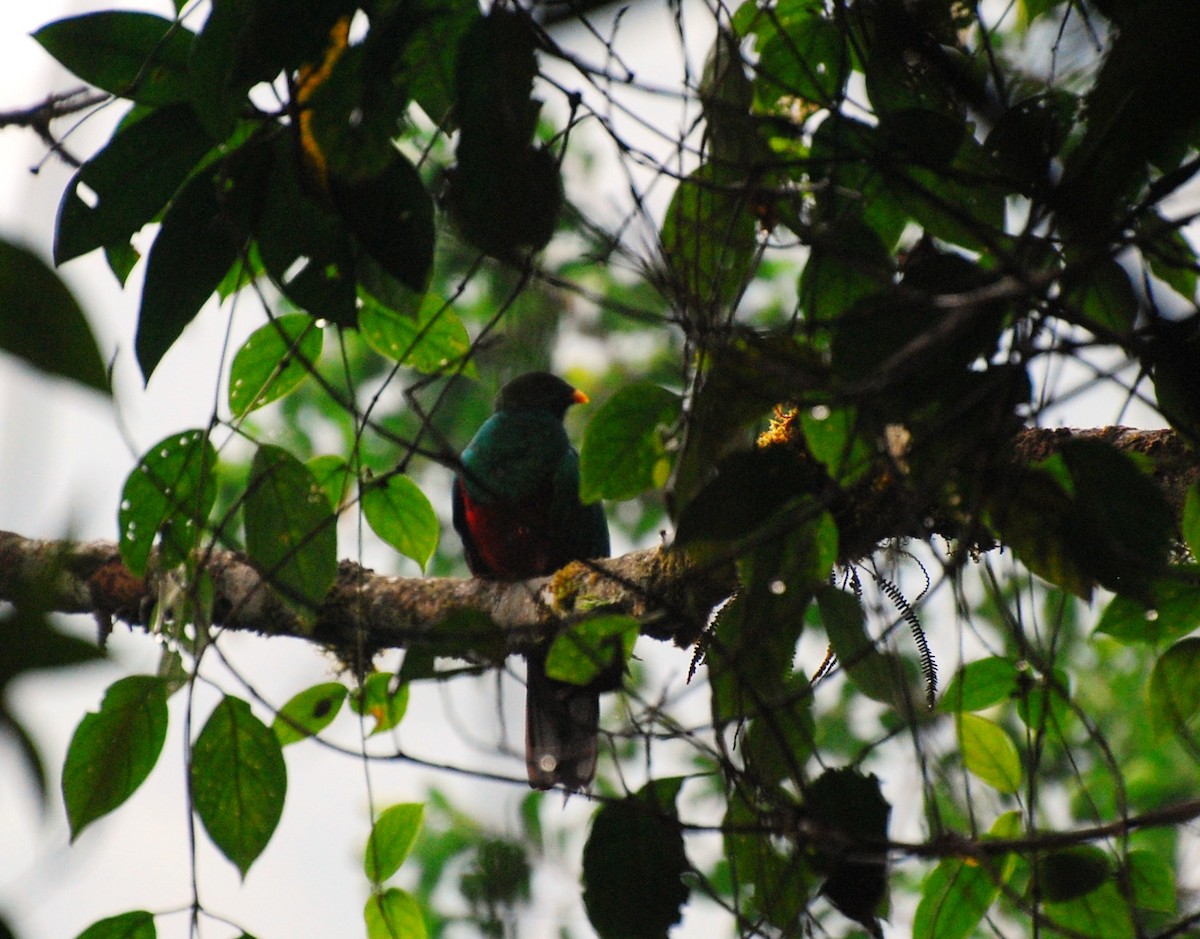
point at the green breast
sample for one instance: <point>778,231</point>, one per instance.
<point>514,455</point>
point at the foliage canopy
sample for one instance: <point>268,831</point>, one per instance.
<point>885,233</point>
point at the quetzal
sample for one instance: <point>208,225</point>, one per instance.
<point>516,506</point>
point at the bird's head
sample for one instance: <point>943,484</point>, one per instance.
<point>539,391</point>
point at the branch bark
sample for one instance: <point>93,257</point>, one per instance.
<point>672,595</point>
<point>366,611</point>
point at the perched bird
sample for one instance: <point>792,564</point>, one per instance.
<point>517,509</point>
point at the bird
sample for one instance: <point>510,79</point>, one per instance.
<point>516,507</point>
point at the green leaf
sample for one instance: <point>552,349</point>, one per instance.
<point>1169,254</point>
<point>709,239</point>
<point>958,893</point>
<point>334,475</point>
<point>113,750</point>
<point>633,863</point>
<point>1190,523</point>
<point>400,513</point>
<point>845,265</point>
<point>128,182</point>
<point>1174,689</point>
<point>167,497</point>
<point>802,58</point>
<point>238,780</point>
<point>835,438</point>
<point>135,925</point>
<point>1102,299</point>
<point>133,55</point>
<point>430,340</point>
<point>42,323</point>
<point>309,712</point>
<point>623,454</point>
<point>276,358</point>
<point>980,685</point>
<point>391,840</point>
<point>291,533</point>
<point>989,753</point>
<point>1171,610</point>
<point>193,251</point>
<point>1103,913</point>
<point>961,204</point>
<point>394,914</point>
<point>1072,872</point>
<point>1153,881</point>
<point>880,676</point>
<point>592,647</point>
<point>378,698</point>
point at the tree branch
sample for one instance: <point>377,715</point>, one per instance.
<point>367,611</point>
<point>670,594</point>
<point>39,117</point>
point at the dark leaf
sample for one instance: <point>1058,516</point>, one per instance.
<point>195,247</point>
<point>709,239</point>
<point>133,55</point>
<point>430,54</point>
<point>305,248</point>
<point>42,323</point>
<point>354,113</point>
<point>1071,872</point>
<point>633,863</point>
<point>504,194</point>
<point>238,781</point>
<point>851,806</point>
<point>391,215</point>
<point>801,55</point>
<point>126,184</point>
<point>1101,298</point>
<point>759,482</point>
<point>878,675</point>
<point>846,264</point>
<point>1123,526</point>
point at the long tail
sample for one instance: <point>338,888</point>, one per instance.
<point>561,725</point>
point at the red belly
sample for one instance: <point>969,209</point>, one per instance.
<point>513,542</point>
